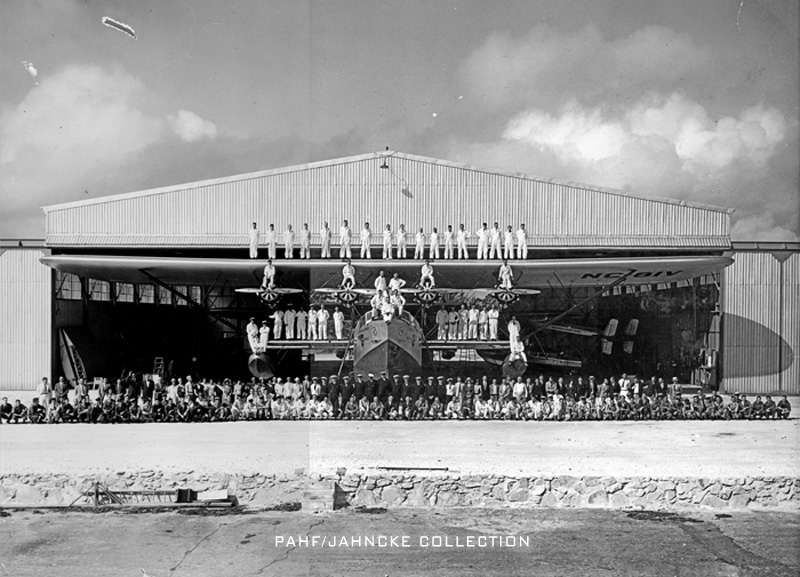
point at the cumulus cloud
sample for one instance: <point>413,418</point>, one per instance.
<point>633,113</point>
<point>191,128</point>
<point>81,131</point>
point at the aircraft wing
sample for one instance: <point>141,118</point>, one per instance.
<point>258,290</point>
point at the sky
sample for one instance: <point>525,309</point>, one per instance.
<point>685,99</point>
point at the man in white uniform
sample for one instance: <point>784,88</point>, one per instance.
<point>522,242</point>
<point>348,275</point>
<point>271,239</point>
<point>472,331</point>
<point>387,242</point>
<point>322,321</point>
<point>483,242</point>
<point>366,241</point>
<point>325,241</point>
<point>398,301</point>
<point>252,335</point>
<point>269,275</point>
<point>419,249</point>
<point>494,242</point>
<point>453,320</point>
<point>387,311</point>
<point>506,276</point>
<point>380,282</point>
<point>508,245</point>
<point>426,275</point>
<point>402,242</point>
<point>301,319</point>
<point>305,242</point>
<point>483,324</point>
<point>345,241</point>
<point>461,236</point>
<point>433,244</point>
<point>449,242</point>
<point>277,329</point>
<point>494,317</point>
<point>263,337</point>
<point>312,324</point>
<point>513,330</point>
<point>288,242</point>
<point>253,235</point>
<point>396,283</point>
<point>338,323</point>
<point>288,321</point>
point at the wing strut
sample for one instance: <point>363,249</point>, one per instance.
<point>190,302</point>
<point>579,304</point>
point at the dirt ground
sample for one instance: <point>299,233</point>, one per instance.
<point>559,542</point>
<point>655,449</point>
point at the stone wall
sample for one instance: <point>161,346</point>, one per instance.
<point>260,490</point>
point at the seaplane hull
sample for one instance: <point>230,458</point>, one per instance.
<point>394,347</point>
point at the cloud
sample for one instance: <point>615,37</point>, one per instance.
<point>641,113</point>
<point>761,227</point>
<point>83,130</point>
<point>191,128</point>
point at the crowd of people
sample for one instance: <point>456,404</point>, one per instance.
<point>135,400</point>
<point>492,243</point>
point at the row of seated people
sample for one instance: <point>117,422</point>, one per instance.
<point>555,407</point>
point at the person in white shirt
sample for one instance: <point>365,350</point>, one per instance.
<point>271,240</point>
<point>348,275</point>
<point>522,242</point>
<point>387,242</point>
<point>449,242</point>
<point>387,311</point>
<point>508,245</point>
<point>454,320</point>
<point>338,323</point>
<point>325,241</point>
<point>277,328</point>
<point>288,322</point>
<point>345,241</point>
<point>463,322</point>
<point>494,317</point>
<point>322,321</point>
<point>263,337</point>
<point>506,276</point>
<point>253,236</point>
<point>461,236</point>
<point>253,334</point>
<point>301,319</point>
<point>419,249</point>
<point>426,275</point>
<point>483,242</point>
<point>402,242</point>
<point>288,242</point>
<point>513,330</point>
<point>269,275</point>
<point>396,283</point>
<point>483,324</point>
<point>472,331</point>
<point>433,244</point>
<point>380,282</point>
<point>441,324</point>
<point>313,334</point>
<point>494,242</point>
<point>305,242</point>
<point>398,301</point>
<point>366,241</point>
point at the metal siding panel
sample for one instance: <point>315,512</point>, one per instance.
<point>25,330</point>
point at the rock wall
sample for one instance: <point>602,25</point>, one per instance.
<point>260,490</point>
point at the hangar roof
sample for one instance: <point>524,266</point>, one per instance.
<point>384,187</point>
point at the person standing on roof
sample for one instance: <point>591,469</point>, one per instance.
<point>253,236</point>
<point>325,241</point>
<point>433,244</point>
<point>522,242</point>
<point>419,250</point>
<point>305,242</point>
<point>508,244</point>
<point>288,242</point>
<point>494,242</point>
<point>402,242</point>
<point>449,242</point>
<point>483,242</point>
<point>271,239</point>
<point>366,241</point>
<point>345,241</point>
<point>461,236</point>
<point>387,242</point>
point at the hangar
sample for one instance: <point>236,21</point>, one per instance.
<point>147,281</point>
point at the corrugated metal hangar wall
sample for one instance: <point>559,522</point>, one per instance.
<point>761,319</point>
<point>26,317</point>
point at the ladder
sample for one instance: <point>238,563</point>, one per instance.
<point>158,367</point>
<point>77,363</point>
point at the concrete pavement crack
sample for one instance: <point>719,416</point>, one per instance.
<point>190,551</point>
<point>288,551</point>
